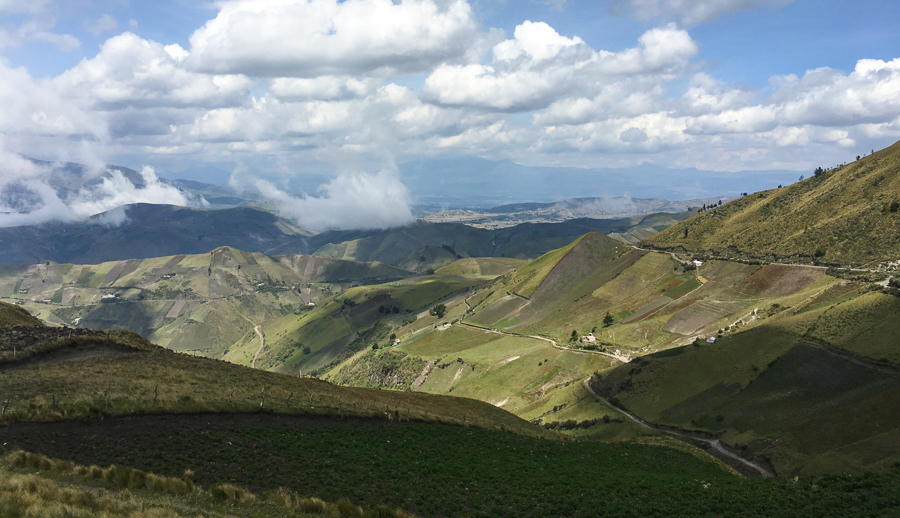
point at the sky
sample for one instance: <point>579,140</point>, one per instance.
<point>261,93</point>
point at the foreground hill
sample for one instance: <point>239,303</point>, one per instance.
<point>114,400</point>
<point>844,216</point>
<point>12,315</point>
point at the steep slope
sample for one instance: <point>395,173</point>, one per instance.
<point>146,231</point>
<point>810,396</point>
<point>12,315</point>
<point>843,216</point>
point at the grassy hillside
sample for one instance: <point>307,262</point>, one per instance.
<point>813,389</point>
<point>843,216</point>
<point>289,440</point>
<point>13,315</point>
<point>201,303</point>
<point>483,267</point>
<point>340,326</point>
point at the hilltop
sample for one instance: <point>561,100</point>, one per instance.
<point>12,315</point>
<point>846,216</point>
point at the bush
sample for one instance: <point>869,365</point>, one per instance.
<point>282,497</point>
<point>311,506</point>
<point>231,493</point>
<point>346,509</point>
<point>382,511</point>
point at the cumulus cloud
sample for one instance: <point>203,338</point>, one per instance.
<point>350,201</point>
<point>324,88</point>
<point>690,12</point>
<point>36,107</point>
<point>539,66</point>
<point>281,38</point>
<point>823,97</point>
<point>131,71</point>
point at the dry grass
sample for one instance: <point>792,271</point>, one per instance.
<point>842,217</point>
<point>34,495</point>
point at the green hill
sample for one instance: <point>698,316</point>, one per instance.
<point>12,315</point>
<point>844,216</point>
<point>291,439</point>
<point>201,303</point>
<point>809,395</point>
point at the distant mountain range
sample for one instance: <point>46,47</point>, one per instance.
<point>161,230</point>
<point>598,208</point>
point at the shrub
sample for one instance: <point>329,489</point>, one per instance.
<point>137,479</point>
<point>231,493</point>
<point>155,484</point>
<point>118,475</point>
<point>344,508</point>
<point>282,497</point>
<point>382,511</point>
<point>311,505</point>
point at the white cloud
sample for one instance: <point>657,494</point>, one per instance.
<point>131,71</point>
<point>323,88</point>
<point>37,29</point>
<point>282,38</point>
<point>115,191</point>
<point>823,97</point>
<point>103,24</point>
<point>350,201</point>
<point>539,67</point>
<point>691,12</point>
<point>29,193</point>
<point>36,108</point>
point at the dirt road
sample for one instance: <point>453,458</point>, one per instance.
<point>719,450</point>
<point>620,357</point>
<point>262,343</point>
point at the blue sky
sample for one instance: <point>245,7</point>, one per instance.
<point>278,91</point>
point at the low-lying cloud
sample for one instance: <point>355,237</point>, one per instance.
<point>34,193</point>
<point>350,201</point>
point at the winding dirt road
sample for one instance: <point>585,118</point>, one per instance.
<point>719,449</point>
<point>262,343</point>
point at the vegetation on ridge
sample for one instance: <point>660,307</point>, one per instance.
<point>845,216</point>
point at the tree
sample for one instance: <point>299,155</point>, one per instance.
<point>895,206</point>
<point>818,172</point>
<point>438,311</point>
<point>801,177</point>
<point>608,320</point>
<point>685,231</point>
<point>574,337</point>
